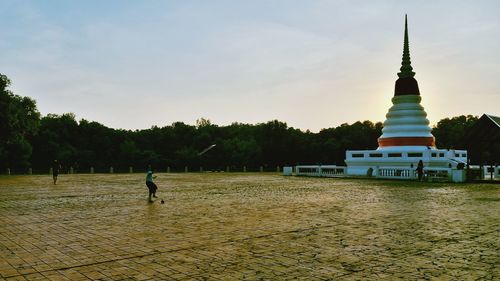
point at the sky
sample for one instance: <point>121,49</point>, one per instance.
<point>311,64</point>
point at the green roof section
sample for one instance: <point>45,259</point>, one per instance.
<point>406,69</point>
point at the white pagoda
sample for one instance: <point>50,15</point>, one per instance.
<point>406,137</point>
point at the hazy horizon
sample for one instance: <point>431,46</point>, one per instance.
<point>318,64</point>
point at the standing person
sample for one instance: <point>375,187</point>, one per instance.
<point>55,170</point>
<point>151,185</point>
<point>420,170</point>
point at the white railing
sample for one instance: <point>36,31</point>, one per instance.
<point>307,171</point>
<point>437,174</point>
<point>488,169</point>
<point>430,174</point>
<point>396,173</point>
<point>332,171</point>
<point>320,171</point>
<point>405,173</point>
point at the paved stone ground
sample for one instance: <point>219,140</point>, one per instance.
<point>246,227</point>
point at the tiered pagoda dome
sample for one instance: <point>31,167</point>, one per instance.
<point>406,122</point>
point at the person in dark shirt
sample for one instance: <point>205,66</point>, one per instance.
<point>55,170</point>
<point>420,170</point>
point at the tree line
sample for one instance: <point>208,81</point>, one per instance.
<point>29,140</point>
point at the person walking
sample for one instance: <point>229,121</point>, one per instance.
<point>55,170</point>
<point>420,170</point>
<point>151,185</point>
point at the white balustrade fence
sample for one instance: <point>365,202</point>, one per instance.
<point>320,171</point>
<point>405,173</point>
<point>430,174</point>
<point>437,174</point>
<point>489,170</point>
<point>395,173</point>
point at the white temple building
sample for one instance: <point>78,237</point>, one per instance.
<point>406,139</point>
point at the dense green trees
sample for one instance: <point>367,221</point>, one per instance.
<point>28,141</point>
<point>85,144</point>
<point>451,132</point>
<point>19,120</point>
